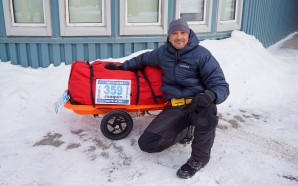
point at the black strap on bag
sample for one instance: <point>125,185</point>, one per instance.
<point>138,87</point>
<point>91,87</point>
<point>72,101</point>
<point>151,89</point>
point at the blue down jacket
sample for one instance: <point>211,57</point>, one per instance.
<point>186,72</point>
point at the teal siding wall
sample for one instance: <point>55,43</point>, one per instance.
<point>270,20</point>
<point>41,52</point>
<point>37,53</point>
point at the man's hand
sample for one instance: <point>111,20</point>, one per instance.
<point>204,99</point>
<point>112,66</point>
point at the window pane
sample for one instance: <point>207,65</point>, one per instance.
<point>192,10</point>
<point>228,9</point>
<point>28,11</point>
<point>142,11</point>
<point>87,11</point>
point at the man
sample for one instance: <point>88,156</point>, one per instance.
<point>194,83</point>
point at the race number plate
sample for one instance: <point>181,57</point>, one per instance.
<point>111,91</point>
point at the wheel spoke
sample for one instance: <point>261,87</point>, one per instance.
<point>123,121</point>
<point>111,124</point>
<point>120,127</point>
<point>117,118</point>
<point>114,121</point>
<point>112,131</point>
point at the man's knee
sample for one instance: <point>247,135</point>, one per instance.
<point>150,142</point>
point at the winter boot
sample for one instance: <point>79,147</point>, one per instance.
<point>189,168</point>
<point>189,135</point>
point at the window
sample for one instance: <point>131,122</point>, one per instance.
<point>196,12</point>
<point>229,15</point>
<point>27,12</point>
<point>143,12</point>
<point>27,17</point>
<point>192,10</point>
<point>228,10</point>
<point>143,17</point>
<point>85,18</point>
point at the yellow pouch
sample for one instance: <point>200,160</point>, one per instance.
<point>180,101</point>
<point>177,102</point>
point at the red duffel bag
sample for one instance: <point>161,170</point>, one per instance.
<point>85,79</point>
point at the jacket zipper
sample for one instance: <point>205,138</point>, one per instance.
<point>177,61</point>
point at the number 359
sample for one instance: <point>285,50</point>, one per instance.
<point>113,89</point>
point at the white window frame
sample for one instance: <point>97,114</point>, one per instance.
<point>27,29</point>
<point>85,29</point>
<point>198,26</point>
<point>230,24</point>
<point>159,28</point>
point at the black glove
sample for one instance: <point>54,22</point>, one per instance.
<point>204,99</point>
<point>113,66</point>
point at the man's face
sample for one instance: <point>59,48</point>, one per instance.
<point>179,39</point>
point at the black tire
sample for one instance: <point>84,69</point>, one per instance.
<point>116,125</point>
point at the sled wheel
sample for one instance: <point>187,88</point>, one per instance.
<point>116,124</point>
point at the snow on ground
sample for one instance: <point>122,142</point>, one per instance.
<point>256,141</point>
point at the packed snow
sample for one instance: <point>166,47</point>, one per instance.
<point>256,142</point>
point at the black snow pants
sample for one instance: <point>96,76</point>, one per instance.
<point>171,126</point>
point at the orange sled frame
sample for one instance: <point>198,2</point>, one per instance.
<point>117,123</point>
